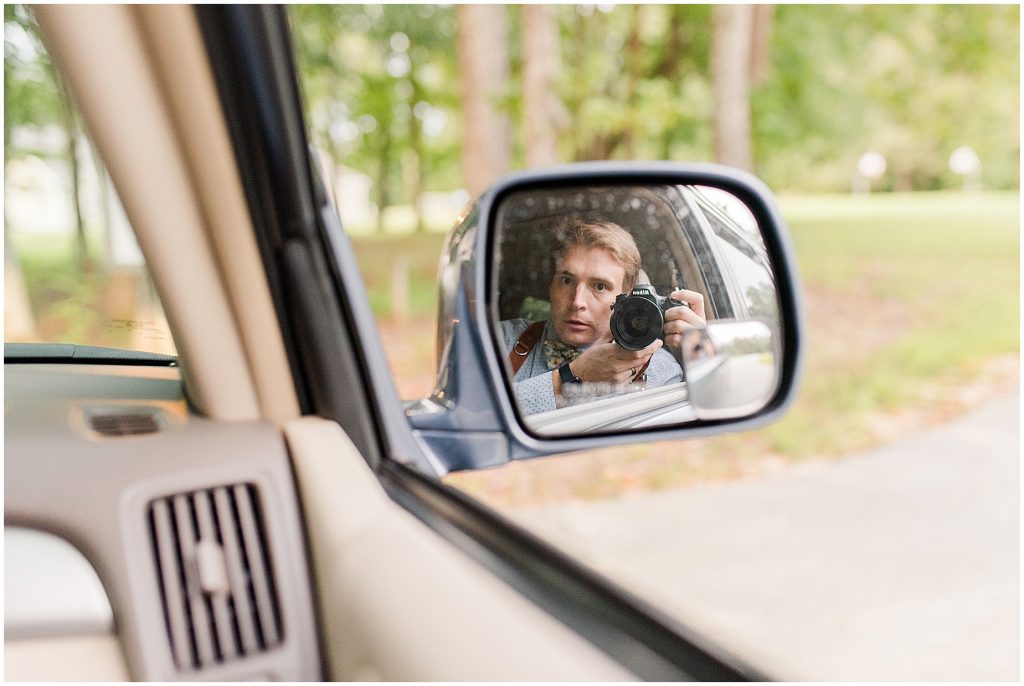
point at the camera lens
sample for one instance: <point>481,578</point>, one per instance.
<point>637,325</point>
<point>636,322</point>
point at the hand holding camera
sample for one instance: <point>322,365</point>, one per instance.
<point>642,316</point>
<point>641,322</point>
<point>608,362</point>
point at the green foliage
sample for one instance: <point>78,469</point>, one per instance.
<point>378,81</point>
<point>381,87</point>
<point>914,82</point>
<point>31,96</point>
<point>636,81</point>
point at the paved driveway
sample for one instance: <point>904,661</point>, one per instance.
<point>902,563</point>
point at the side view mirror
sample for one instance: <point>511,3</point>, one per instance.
<point>605,303</point>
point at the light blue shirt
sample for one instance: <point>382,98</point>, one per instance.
<point>535,389</point>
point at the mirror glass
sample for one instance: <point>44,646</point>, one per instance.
<point>730,368</point>
<point>631,306</point>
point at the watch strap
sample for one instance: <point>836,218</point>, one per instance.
<point>566,375</point>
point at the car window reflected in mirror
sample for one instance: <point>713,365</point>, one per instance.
<point>609,303</point>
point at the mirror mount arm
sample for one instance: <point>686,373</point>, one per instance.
<point>453,450</point>
<point>458,423</point>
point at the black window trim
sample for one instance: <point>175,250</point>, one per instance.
<point>252,62</point>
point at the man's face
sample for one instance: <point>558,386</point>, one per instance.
<point>582,291</point>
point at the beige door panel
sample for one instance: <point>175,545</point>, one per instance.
<point>65,658</point>
<point>399,603</point>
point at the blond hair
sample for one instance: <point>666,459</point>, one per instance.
<point>601,234</point>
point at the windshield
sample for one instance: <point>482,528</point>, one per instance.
<point>73,272</point>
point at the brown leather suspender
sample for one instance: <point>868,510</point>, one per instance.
<point>524,345</point>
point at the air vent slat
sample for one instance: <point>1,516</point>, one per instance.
<point>219,600</point>
<point>236,570</point>
<point>174,602</point>
<point>196,603</point>
<point>257,566</point>
<point>218,586</point>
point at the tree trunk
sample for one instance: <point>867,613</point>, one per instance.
<point>760,40</point>
<point>732,28</point>
<point>633,76</point>
<point>541,106</point>
<point>416,147</point>
<point>576,49</point>
<point>383,172</point>
<point>68,121</point>
<point>106,220</point>
<point>483,63</point>
<point>675,45</point>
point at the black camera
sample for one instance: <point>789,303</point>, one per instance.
<point>639,317</point>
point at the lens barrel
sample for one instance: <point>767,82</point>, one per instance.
<point>636,322</point>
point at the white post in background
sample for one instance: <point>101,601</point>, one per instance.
<point>965,162</point>
<point>870,166</point>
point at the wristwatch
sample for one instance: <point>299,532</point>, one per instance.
<point>566,375</point>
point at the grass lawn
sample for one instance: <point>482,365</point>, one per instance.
<point>415,254</point>
<point>903,292</point>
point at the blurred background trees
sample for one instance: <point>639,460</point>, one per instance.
<point>446,97</point>
<point>36,98</point>
<point>416,108</point>
<point>72,269</point>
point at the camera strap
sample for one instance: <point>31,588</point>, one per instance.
<point>641,375</point>
<point>524,345</point>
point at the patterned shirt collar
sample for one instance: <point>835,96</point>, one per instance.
<point>556,353</point>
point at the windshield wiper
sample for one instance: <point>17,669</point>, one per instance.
<point>68,353</point>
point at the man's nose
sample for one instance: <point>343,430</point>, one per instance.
<point>579,300</point>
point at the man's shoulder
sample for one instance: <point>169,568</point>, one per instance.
<point>662,355</point>
<point>511,329</point>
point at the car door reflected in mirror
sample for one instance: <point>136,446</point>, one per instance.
<point>597,293</point>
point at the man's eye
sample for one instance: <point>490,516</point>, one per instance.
<point>566,281</point>
<point>600,287</point>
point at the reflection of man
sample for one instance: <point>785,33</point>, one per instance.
<point>557,361</point>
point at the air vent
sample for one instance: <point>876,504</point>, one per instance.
<point>218,591</point>
<point>124,424</point>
